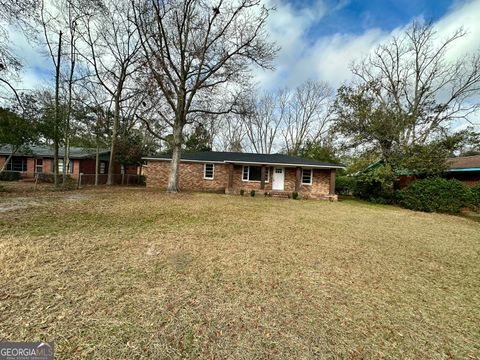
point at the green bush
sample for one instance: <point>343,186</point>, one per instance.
<point>252,193</point>
<point>436,194</point>
<point>376,186</point>
<point>294,195</point>
<point>10,176</point>
<point>345,185</point>
<point>242,192</point>
<point>46,177</point>
<point>476,196</point>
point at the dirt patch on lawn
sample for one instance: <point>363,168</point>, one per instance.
<point>12,202</point>
<point>19,203</point>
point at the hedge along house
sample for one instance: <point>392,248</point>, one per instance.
<point>231,172</point>
<point>39,160</point>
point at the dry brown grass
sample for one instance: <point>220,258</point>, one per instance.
<point>132,273</point>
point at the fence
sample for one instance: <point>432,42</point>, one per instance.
<point>73,180</point>
<point>117,179</point>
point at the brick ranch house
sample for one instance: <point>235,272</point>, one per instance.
<point>39,160</point>
<point>230,172</point>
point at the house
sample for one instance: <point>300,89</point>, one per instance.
<point>231,172</point>
<point>465,169</point>
<point>39,160</point>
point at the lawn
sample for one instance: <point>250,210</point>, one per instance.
<point>131,273</point>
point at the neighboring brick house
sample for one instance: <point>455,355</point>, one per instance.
<point>39,159</point>
<point>231,172</point>
<point>463,168</point>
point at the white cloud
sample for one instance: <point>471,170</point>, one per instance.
<point>329,57</point>
<point>36,66</point>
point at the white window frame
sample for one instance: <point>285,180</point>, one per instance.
<point>267,171</point>
<point>37,167</point>
<point>60,166</point>
<point>311,177</point>
<point>205,170</point>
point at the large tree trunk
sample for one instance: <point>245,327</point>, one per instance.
<point>57,112</point>
<point>116,120</point>
<point>173,178</point>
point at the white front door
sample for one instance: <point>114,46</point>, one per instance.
<point>278,182</point>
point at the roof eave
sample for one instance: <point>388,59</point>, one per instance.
<point>314,166</point>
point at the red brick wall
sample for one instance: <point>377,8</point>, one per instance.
<point>30,167</point>
<point>239,184</point>
<point>191,176</point>
<point>320,184</point>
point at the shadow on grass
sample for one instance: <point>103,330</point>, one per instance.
<point>353,201</point>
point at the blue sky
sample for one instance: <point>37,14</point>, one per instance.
<point>356,16</point>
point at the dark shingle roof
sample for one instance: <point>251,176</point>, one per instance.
<point>47,151</point>
<point>248,158</point>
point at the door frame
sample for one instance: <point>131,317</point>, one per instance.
<point>283,179</point>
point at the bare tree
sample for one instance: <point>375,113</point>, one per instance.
<point>97,102</point>
<point>73,13</point>
<point>194,50</point>
<point>113,45</point>
<point>19,14</point>
<point>412,77</point>
<point>231,133</point>
<point>308,114</point>
<point>263,121</point>
<point>50,22</point>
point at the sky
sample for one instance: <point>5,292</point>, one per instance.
<point>319,39</point>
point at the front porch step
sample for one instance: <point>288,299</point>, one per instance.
<point>280,194</point>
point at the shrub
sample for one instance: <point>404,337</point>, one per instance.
<point>252,193</point>
<point>266,193</point>
<point>45,177</point>
<point>476,196</point>
<point>295,195</point>
<point>10,176</point>
<point>345,185</point>
<point>242,192</point>
<point>71,183</point>
<point>435,194</point>
<point>376,186</point>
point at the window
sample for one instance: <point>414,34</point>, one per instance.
<point>208,171</point>
<point>60,166</point>
<point>254,173</point>
<point>17,164</point>
<point>307,175</point>
<point>38,166</point>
